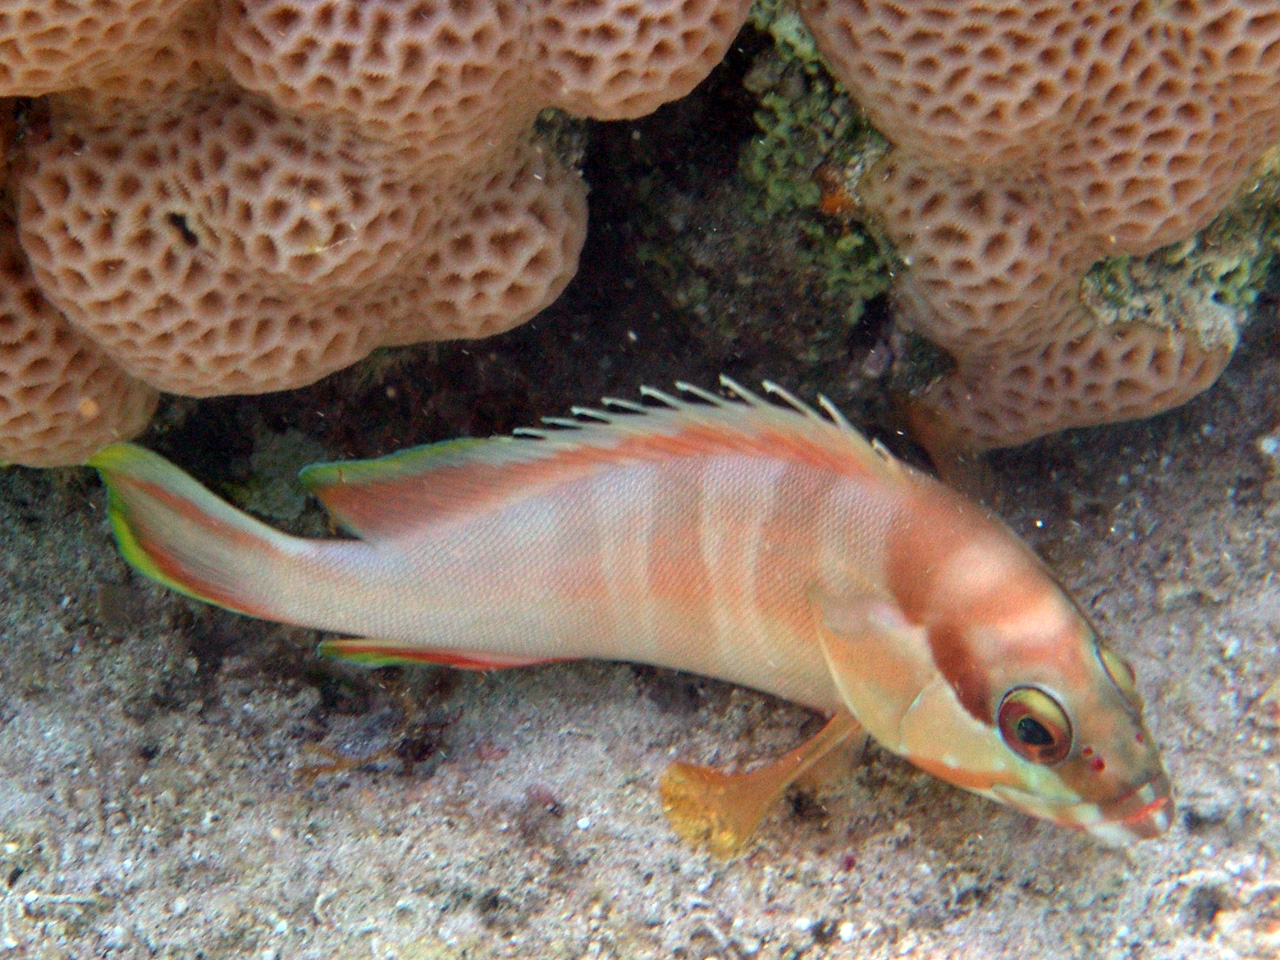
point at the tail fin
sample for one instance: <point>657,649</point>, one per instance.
<point>175,531</point>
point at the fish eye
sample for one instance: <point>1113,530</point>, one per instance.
<point>1034,725</point>
<point>1120,672</point>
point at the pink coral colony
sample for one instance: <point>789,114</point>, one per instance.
<point>236,196</point>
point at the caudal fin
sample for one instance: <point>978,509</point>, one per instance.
<point>175,531</point>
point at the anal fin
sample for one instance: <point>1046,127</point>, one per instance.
<point>389,653</point>
<point>722,809</point>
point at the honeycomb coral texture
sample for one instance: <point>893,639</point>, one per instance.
<point>235,196</point>
<point>58,392</point>
<point>1033,137</point>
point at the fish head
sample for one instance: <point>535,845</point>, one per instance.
<point>1036,712</point>
<point>1088,760</point>
<point>991,678</point>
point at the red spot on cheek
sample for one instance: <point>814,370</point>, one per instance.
<point>1096,764</point>
<point>1140,738</point>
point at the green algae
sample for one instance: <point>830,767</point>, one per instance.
<point>807,121</point>
<point>1205,284</point>
<point>750,244</point>
<point>272,489</point>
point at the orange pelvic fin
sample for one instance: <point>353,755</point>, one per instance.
<point>722,810</point>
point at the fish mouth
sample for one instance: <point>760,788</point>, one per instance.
<point>1143,813</point>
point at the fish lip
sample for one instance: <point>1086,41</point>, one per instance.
<point>1141,813</point>
<point>1146,811</point>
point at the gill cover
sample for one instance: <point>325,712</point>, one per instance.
<point>879,661</point>
<point>885,673</point>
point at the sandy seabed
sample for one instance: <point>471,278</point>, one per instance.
<point>154,799</point>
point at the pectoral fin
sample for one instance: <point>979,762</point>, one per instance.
<point>722,809</point>
<point>878,659</point>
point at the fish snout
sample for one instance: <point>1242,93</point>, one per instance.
<point>1143,813</point>
<point>1153,813</point>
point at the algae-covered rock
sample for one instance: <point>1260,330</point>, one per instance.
<point>1223,268</point>
<point>272,489</point>
<point>727,207</point>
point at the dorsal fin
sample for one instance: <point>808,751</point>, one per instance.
<point>422,485</point>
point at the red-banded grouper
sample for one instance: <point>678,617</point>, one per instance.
<point>766,545</point>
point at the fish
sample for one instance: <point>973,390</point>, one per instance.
<point>751,538</point>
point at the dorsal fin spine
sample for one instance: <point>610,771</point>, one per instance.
<point>741,392</point>
<point>790,398</point>
<point>701,394</point>
<point>837,416</point>
<point>629,405</point>
<point>655,394</point>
